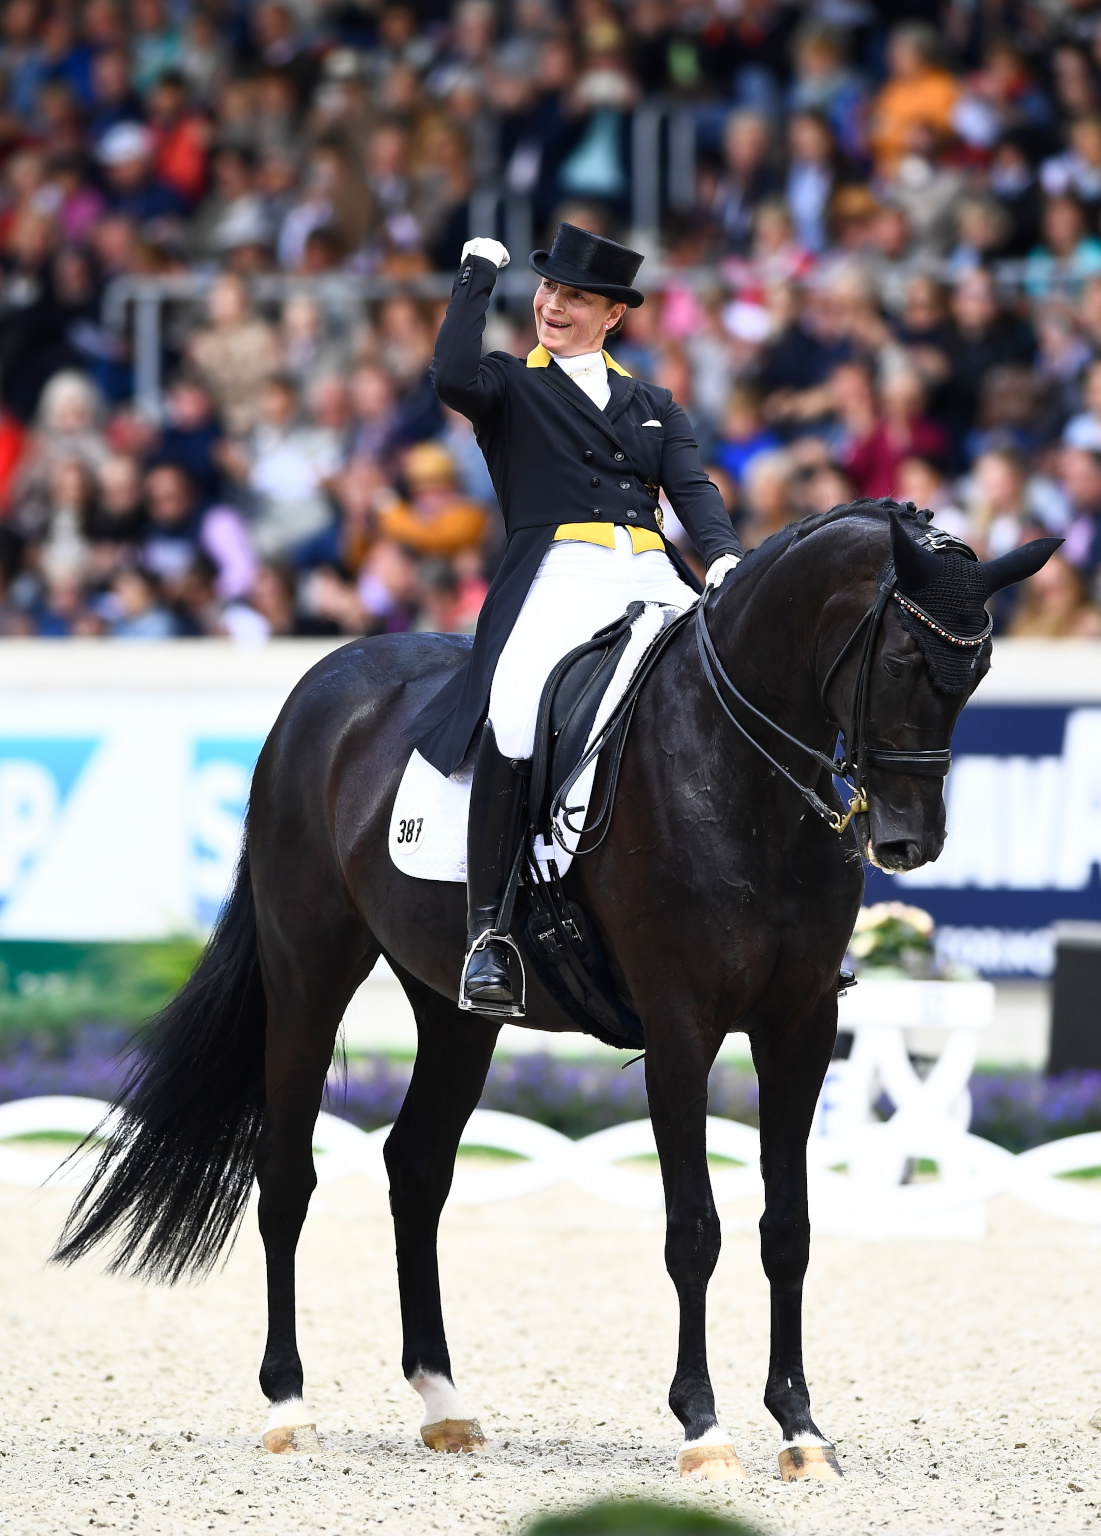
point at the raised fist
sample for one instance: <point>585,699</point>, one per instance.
<point>492,250</point>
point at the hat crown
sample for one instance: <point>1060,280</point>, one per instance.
<point>581,252</point>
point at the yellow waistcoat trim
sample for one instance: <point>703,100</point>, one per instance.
<point>603,534</point>
<point>539,357</point>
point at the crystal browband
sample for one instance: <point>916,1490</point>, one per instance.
<point>945,634</point>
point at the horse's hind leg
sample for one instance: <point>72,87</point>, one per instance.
<point>308,987</point>
<point>791,1064</point>
<point>453,1055</point>
<point>677,1064</point>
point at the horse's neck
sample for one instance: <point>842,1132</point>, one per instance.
<point>767,626</point>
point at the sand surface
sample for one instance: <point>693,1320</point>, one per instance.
<point>958,1379</point>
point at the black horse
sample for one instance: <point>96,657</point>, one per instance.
<point>723,900</point>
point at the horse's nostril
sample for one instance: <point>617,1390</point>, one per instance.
<point>901,854</point>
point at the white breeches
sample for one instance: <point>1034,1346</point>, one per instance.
<point>578,588</point>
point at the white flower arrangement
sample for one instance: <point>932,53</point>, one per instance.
<point>891,936</point>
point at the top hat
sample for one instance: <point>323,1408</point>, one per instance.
<point>590,262</point>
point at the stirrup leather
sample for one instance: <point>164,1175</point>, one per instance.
<point>511,1010</point>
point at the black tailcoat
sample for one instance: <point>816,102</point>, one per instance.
<point>554,458</point>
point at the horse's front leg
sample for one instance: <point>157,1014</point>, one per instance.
<point>791,1063</point>
<point>453,1054</point>
<point>676,1085</point>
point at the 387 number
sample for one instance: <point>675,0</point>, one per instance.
<point>409,830</point>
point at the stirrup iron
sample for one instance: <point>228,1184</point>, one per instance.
<point>489,1010</point>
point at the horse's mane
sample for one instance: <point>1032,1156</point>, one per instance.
<point>877,508</point>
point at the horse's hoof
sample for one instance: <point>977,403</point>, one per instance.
<point>292,1440</point>
<point>459,1436</point>
<point>818,1461</point>
<point>716,1463</point>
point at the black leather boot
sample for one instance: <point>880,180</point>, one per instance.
<point>495,800</point>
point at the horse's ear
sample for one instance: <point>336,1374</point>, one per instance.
<point>1018,564</point>
<point>915,566</point>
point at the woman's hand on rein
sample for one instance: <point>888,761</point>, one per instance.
<point>492,250</point>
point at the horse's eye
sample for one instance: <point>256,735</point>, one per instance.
<point>892,666</point>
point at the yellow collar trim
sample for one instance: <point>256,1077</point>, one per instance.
<point>539,357</point>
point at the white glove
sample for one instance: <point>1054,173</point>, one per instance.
<point>492,250</point>
<point>719,569</point>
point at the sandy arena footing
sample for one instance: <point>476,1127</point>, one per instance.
<point>957,1379</point>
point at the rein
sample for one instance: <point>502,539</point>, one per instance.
<point>860,756</point>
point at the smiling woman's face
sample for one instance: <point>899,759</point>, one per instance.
<point>570,322</point>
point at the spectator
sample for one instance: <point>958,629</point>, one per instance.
<point>1081,483</point>
<point>435,520</point>
<point>999,509</point>
<point>309,351</point>
<point>1054,605</point>
<point>981,337</point>
<point>287,466</point>
<point>920,93</point>
<point>135,609</point>
<point>769,497</point>
<point>745,434</point>
<point>234,355</point>
<point>179,139</point>
<point>127,155</point>
<point>1077,171</point>
<point>170,539</point>
<point>748,177</point>
<point>902,431</point>
<point>812,173</point>
<point>1084,429</point>
<point>1067,254</point>
<point>824,84</point>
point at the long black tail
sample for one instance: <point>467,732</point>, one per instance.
<point>171,1183</point>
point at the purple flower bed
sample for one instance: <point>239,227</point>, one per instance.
<point>1016,1110</point>
<point>575,1098</point>
<point>1019,1110</point>
<point>90,1064</point>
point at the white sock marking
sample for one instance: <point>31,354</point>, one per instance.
<point>440,1396</point>
<point>789,1445</point>
<point>716,1435</point>
<point>289,1413</point>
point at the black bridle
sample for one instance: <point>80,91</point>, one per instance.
<point>859,756</point>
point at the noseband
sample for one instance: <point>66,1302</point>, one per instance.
<point>852,767</point>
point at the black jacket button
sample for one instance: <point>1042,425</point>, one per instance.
<point>625,485</point>
<point>631,512</point>
<point>597,512</point>
<point>588,455</point>
<point>594,481</point>
<point>619,458</point>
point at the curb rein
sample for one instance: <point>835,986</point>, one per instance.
<point>851,768</point>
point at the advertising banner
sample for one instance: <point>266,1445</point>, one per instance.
<point>121,802</point>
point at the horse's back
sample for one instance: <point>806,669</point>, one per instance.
<point>346,723</point>
<point>395,675</point>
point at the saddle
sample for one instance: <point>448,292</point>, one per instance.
<point>558,935</point>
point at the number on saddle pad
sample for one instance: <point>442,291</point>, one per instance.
<point>410,829</point>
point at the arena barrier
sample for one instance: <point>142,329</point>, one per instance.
<point>861,1202</point>
<point>125,770</point>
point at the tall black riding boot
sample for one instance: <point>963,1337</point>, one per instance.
<point>490,848</point>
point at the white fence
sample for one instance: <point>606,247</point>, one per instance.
<point>972,1170</point>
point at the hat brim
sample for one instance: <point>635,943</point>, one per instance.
<point>539,261</point>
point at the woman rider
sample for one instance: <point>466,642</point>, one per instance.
<point>577,450</point>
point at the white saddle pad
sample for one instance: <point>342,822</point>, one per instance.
<point>428,823</point>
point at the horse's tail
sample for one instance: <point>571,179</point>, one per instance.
<point>173,1178</point>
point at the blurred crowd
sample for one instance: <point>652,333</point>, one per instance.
<point>885,279</point>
